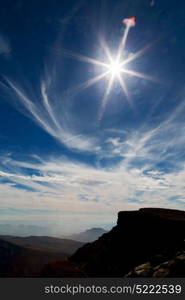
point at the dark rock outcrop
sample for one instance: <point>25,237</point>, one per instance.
<point>147,235</point>
<point>174,267</point>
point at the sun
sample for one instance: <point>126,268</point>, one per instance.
<point>115,68</point>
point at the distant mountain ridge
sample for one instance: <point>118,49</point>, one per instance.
<point>65,246</point>
<point>89,235</point>
<point>27,256</point>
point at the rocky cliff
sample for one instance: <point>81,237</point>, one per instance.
<point>148,235</point>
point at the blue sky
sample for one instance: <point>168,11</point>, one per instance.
<point>61,165</point>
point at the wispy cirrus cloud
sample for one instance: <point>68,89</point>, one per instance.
<point>62,183</point>
<point>52,116</point>
<point>59,121</point>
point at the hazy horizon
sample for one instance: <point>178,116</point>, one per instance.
<point>24,229</point>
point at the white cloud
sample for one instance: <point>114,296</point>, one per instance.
<point>110,189</point>
<point>58,122</point>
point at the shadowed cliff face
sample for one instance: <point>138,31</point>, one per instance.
<point>148,234</point>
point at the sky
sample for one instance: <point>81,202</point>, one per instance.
<point>73,151</point>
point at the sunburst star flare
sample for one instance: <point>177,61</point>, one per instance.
<point>114,68</point>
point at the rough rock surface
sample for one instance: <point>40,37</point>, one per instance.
<point>151,235</point>
<point>174,267</point>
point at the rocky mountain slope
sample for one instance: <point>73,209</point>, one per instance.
<point>26,257</point>
<point>148,235</point>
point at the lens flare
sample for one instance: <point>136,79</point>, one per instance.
<point>114,67</point>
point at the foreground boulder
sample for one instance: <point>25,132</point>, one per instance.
<point>174,267</point>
